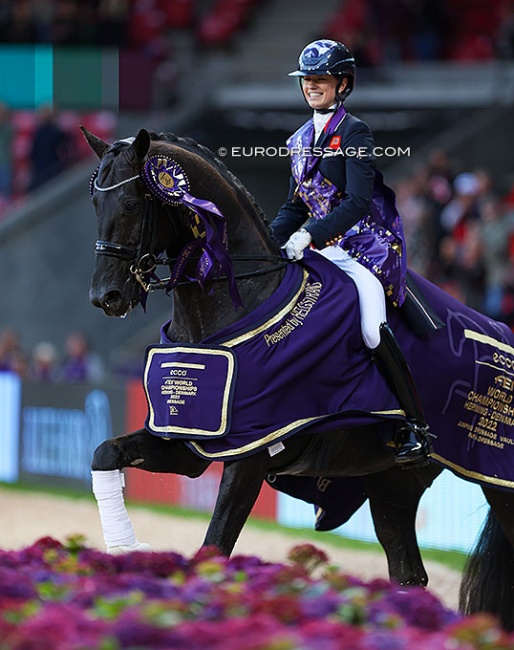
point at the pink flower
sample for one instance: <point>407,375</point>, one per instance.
<point>308,556</point>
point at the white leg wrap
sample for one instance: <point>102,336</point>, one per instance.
<point>116,526</point>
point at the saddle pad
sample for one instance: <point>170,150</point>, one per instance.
<point>189,390</point>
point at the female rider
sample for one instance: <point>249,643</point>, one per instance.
<point>339,205</point>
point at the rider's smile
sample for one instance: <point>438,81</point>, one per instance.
<point>320,90</point>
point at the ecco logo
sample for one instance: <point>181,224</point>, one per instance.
<point>180,373</point>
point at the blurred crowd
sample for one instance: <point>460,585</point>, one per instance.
<point>75,363</point>
<point>50,149</point>
<point>36,146</point>
<point>460,233</point>
<point>384,31</point>
<point>132,23</point>
<point>377,31</point>
<point>64,22</point>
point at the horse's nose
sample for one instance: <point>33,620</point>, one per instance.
<point>109,301</point>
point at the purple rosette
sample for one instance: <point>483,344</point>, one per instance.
<point>166,180</point>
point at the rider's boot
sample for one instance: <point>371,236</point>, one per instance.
<point>413,439</point>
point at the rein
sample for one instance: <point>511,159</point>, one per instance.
<point>154,283</point>
<point>143,263</point>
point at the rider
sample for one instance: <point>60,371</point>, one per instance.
<point>339,205</point>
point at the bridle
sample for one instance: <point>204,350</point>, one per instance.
<point>143,263</point>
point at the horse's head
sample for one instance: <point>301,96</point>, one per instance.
<point>117,192</point>
<point>138,221</point>
<point>155,194</point>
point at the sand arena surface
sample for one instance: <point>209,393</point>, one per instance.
<point>25,517</point>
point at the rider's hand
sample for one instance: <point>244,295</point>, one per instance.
<point>296,244</point>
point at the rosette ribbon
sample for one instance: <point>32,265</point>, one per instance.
<point>166,179</point>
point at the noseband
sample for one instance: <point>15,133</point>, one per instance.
<point>144,263</point>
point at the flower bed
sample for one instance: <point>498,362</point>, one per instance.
<point>68,597</point>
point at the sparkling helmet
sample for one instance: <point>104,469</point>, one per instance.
<point>327,57</point>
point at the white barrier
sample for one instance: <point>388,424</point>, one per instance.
<point>10,396</point>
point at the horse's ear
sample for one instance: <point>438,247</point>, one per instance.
<point>96,144</point>
<point>141,145</point>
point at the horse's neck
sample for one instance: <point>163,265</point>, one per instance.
<point>197,314</point>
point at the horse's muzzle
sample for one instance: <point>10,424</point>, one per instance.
<point>112,302</point>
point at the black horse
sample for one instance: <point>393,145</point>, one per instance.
<point>135,227</point>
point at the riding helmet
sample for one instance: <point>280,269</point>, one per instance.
<point>327,57</point>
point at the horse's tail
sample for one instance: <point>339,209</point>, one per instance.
<point>488,578</point>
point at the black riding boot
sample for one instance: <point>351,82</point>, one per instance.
<point>413,438</point>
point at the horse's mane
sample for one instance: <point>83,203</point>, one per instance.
<point>191,145</point>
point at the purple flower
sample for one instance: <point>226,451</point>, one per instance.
<point>414,605</point>
<point>72,598</point>
<point>331,635</point>
<point>57,627</point>
<point>132,631</point>
<point>16,585</point>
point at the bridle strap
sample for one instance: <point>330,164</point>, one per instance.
<point>126,253</point>
<point>147,227</point>
<point>276,262</point>
<point>111,249</point>
<point>115,186</point>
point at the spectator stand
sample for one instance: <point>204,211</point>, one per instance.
<point>381,32</point>
<point>102,123</point>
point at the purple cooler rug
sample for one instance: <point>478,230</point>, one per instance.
<point>295,363</point>
<point>298,364</point>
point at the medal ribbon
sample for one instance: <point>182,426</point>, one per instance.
<point>168,181</point>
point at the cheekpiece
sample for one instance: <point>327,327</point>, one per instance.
<point>165,179</point>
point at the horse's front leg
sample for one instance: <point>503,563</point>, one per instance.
<point>394,497</point>
<point>239,488</point>
<point>144,451</point>
<point>148,452</point>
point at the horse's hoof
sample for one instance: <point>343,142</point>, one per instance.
<point>128,548</point>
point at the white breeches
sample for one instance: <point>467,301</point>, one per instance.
<point>371,293</point>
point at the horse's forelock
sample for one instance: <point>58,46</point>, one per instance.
<point>113,157</point>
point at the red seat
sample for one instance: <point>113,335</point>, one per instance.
<point>179,14</point>
<point>223,21</point>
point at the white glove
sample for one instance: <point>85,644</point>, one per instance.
<point>296,244</point>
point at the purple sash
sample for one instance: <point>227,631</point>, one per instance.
<point>302,141</point>
<point>377,241</point>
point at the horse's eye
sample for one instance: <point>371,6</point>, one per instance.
<point>131,206</point>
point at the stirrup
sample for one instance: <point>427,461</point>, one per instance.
<point>414,445</point>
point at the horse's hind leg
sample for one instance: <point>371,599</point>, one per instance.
<point>144,451</point>
<point>488,577</point>
<point>394,497</point>
<point>240,486</point>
